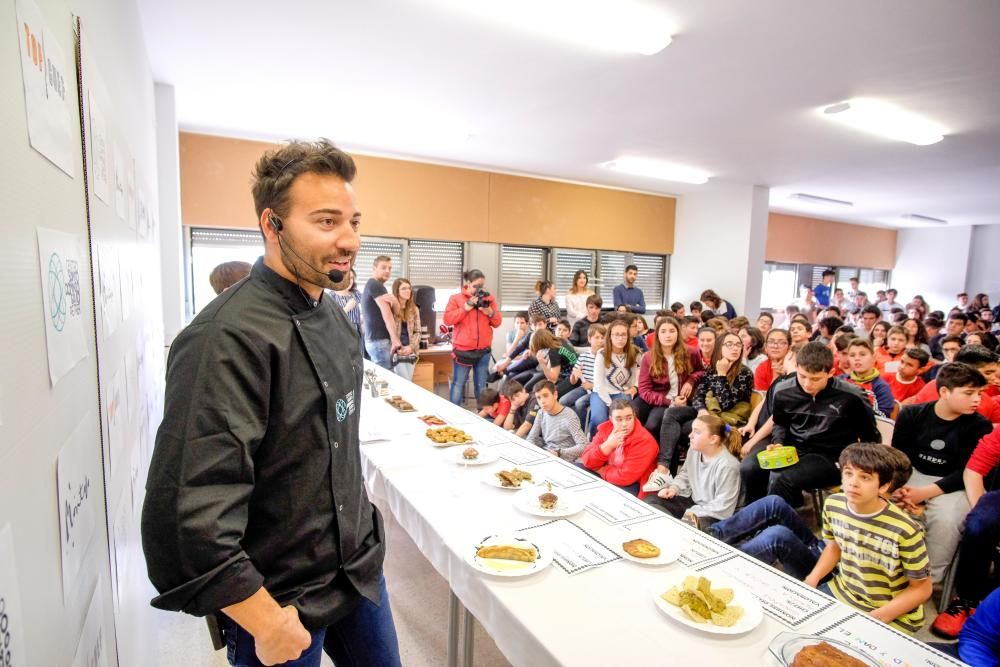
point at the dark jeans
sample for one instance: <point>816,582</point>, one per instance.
<point>676,507</point>
<point>631,488</point>
<point>813,471</point>
<point>365,637</point>
<point>753,479</point>
<point>650,416</point>
<point>460,375</point>
<point>978,548</point>
<point>773,532</point>
<point>674,432</point>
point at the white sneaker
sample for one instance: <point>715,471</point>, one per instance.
<point>657,481</point>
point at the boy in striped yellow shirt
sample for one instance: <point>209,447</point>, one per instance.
<point>878,551</point>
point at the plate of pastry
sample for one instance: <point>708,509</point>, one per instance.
<point>514,479</point>
<point>795,650</point>
<point>716,605</point>
<point>448,436</point>
<point>508,556</point>
<point>649,552</point>
<point>472,456</point>
<point>400,404</point>
<point>547,501</point>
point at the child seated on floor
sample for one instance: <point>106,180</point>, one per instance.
<point>493,406</point>
<point>866,377</point>
<point>623,452</point>
<point>708,485</point>
<point>906,382</point>
<point>877,550</point>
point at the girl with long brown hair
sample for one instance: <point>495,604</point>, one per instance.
<point>407,317</point>
<point>616,372</point>
<point>576,298</point>
<point>667,375</point>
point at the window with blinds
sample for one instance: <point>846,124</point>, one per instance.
<point>211,247</point>
<point>817,275</point>
<point>520,268</point>
<point>565,264</point>
<point>652,274</point>
<point>437,264</point>
<point>610,272</point>
<point>372,248</point>
<point>778,285</point>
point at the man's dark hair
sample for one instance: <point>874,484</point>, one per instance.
<point>621,404</point>
<point>845,329</point>
<point>893,291</point>
<point>855,278</point>
<point>933,322</point>
<point>829,272</point>
<point>381,258</point>
<point>815,358</point>
<point>277,169</point>
<point>487,397</point>
<point>860,342</point>
<point>227,274</point>
<point>975,356</point>
<point>472,275</point>
<point>631,267</point>
<point>545,384</point>
<point>961,294</point>
<point>566,324</point>
<point>521,314</point>
<point>867,310</point>
<point>918,354</point>
<point>844,341</point>
<point>958,374</point>
<point>595,300</point>
<point>691,319</point>
<point>952,339</point>
<point>768,316</point>
<point>958,315</point>
<point>510,388</point>
<point>707,315</point>
<point>878,460</point>
<point>695,305</point>
<point>675,306</point>
<point>831,324</point>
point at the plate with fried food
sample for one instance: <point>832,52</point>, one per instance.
<point>471,456</point>
<point>514,479</point>
<point>715,605</point>
<point>448,436</point>
<point>794,650</point>
<point>547,501</point>
<point>509,556</point>
<point>653,551</point>
<point>432,420</point>
<point>400,404</point>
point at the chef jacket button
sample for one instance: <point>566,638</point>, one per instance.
<point>336,445</point>
<point>340,508</point>
<point>325,383</point>
<point>297,323</point>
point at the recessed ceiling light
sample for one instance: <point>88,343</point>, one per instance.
<point>823,201</point>
<point>664,171</point>
<point>925,218</point>
<point>624,25</point>
<point>885,120</point>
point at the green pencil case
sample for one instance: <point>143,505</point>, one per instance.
<point>779,457</point>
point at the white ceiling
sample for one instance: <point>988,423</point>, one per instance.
<point>735,94</point>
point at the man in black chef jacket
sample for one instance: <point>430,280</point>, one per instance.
<point>255,509</point>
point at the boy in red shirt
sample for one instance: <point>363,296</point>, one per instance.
<point>622,452</point>
<point>906,382</point>
<point>493,406</point>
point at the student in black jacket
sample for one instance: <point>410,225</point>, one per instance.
<point>819,416</point>
<point>578,338</point>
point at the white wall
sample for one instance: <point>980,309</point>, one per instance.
<point>719,242</point>
<point>984,262</point>
<point>933,263</point>
<point>171,238</point>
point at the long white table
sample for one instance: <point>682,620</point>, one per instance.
<point>599,616</point>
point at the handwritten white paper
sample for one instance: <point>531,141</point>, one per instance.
<point>695,546</point>
<point>116,406</point>
<point>60,261</point>
<point>784,599</point>
<point>614,506</point>
<point>885,645</point>
<point>49,90</point>
<point>78,470</point>
<point>110,286</point>
<point>12,646</point>
<point>92,650</point>
<point>519,454</point>
<point>100,158</point>
<point>561,474</point>
<point>118,171</point>
<point>574,549</point>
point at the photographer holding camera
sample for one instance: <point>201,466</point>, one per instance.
<point>474,314</point>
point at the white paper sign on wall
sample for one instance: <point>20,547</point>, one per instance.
<point>63,274</point>
<point>92,651</point>
<point>77,475</point>
<point>12,653</point>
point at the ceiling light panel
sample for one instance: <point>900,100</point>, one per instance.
<point>822,201</point>
<point>658,169</point>
<point>624,26</point>
<point>885,120</point>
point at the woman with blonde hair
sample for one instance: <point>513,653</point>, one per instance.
<point>576,299</point>
<point>407,317</point>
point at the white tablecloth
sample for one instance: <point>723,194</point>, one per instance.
<point>603,616</point>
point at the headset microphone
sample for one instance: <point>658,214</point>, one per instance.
<point>335,275</point>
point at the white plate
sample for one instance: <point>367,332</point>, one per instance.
<point>509,568</point>
<point>492,480</point>
<point>486,455</point>
<point>668,553</point>
<point>753,614</point>
<point>527,501</point>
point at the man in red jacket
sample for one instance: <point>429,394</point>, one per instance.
<point>474,314</point>
<point>622,452</point>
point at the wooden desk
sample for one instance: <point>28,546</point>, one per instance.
<point>440,357</point>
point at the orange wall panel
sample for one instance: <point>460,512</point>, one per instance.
<point>799,240</point>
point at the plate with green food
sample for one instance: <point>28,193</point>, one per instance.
<point>712,604</point>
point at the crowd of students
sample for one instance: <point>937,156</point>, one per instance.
<point>677,414</point>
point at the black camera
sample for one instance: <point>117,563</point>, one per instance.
<point>481,295</point>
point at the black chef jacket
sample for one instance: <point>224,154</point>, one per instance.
<point>256,478</point>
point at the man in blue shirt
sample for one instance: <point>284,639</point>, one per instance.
<point>628,294</point>
<point>822,291</point>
